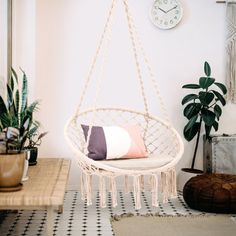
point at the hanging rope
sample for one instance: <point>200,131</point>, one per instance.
<point>96,55</point>
<point>134,47</point>
<point>107,38</point>
<point>148,64</point>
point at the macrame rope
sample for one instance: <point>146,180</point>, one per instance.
<point>126,184</point>
<point>134,47</point>
<point>82,185</point>
<point>173,184</point>
<point>148,64</point>
<point>154,190</point>
<point>231,51</point>
<point>113,192</point>
<point>164,186</point>
<point>94,61</point>
<point>107,36</point>
<point>88,189</point>
<point>142,183</point>
<point>135,52</point>
<point>137,192</point>
<point>102,191</point>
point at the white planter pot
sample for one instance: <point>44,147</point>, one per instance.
<point>25,176</point>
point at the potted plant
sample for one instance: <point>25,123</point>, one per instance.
<point>15,119</point>
<point>34,139</point>
<point>202,107</point>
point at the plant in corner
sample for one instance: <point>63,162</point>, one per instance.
<point>202,107</point>
<point>15,120</point>
<point>34,139</point>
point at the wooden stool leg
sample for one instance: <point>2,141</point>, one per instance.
<point>49,221</point>
<point>60,209</point>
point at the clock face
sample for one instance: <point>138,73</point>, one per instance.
<point>166,14</point>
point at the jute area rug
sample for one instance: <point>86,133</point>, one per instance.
<point>199,225</point>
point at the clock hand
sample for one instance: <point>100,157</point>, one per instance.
<point>162,10</point>
<point>172,9</point>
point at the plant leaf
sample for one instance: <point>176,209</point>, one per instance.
<point>206,97</point>
<point>5,120</point>
<point>191,86</point>
<point>207,69</point>
<point>11,83</point>
<point>222,87</point>
<point>9,95</point>
<point>14,75</point>
<point>217,110</point>
<point>191,122</point>
<point>3,108</point>
<point>24,93</point>
<point>17,101</point>
<point>206,82</point>
<point>32,131</point>
<point>42,135</point>
<point>189,134</point>
<point>188,98</point>
<point>215,125</point>
<point>192,109</point>
<point>220,97</point>
<point>208,117</point>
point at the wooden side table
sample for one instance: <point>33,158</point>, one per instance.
<point>45,189</point>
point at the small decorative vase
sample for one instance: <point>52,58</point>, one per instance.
<point>11,171</point>
<point>33,156</point>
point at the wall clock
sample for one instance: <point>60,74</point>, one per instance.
<point>166,14</point>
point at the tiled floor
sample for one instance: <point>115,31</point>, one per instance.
<point>78,219</point>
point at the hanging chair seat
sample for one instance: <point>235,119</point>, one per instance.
<point>163,143</point>
<point>140,164</point>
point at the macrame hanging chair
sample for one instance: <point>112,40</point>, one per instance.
<point>163,143</point>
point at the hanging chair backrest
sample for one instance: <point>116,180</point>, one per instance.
<point>159,137</point>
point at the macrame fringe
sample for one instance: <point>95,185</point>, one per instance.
<point>231,52</point>
<point>142,183</point>
<point>173,184</point>
<point>88,187</point>
<point>136,192</point>
<point>102,191</point>
<point>113,192</point>
<point>154,190</point>
<point>168,188</point>
<point>82,186</point>
<point>168,185</point>
<point>126,184</point>
<point>164,186</point>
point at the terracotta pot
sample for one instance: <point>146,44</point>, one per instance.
<point>11,169</point>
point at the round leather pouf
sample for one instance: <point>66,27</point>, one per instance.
<point>211,193</point>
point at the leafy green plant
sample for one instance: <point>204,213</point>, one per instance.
<point>16,116</point>
<point>34,138</point>
<point>203,107</point>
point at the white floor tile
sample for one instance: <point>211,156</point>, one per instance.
<point>81,220</point>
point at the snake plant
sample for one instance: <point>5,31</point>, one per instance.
<point>16,116</point>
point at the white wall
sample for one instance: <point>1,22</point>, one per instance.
<point>65,36</point>
<point>23,45</point>
<point>3,44</point>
